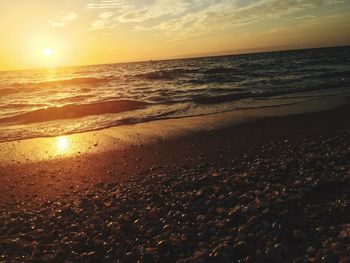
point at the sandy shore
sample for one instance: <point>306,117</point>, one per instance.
<point>37,170</point>
<point>248,185</point>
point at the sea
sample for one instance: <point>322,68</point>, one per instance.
<point>57,101</point>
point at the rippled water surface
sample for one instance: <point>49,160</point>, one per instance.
<point>49,102</point>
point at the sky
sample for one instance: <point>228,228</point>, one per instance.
<point>84,32</point>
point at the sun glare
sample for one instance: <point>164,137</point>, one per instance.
<point>62,144</point>
<point>47,52</point>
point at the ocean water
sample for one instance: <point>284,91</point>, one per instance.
<point>51,102</point>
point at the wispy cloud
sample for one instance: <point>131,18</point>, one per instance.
<point>304,17</point>
<point>159,8</point>
<point>104,21</point>
<point>63,19</point>
<point>187,18</point>
<point>137,11</point>
<point>228,14</point>
<point>109,4</point>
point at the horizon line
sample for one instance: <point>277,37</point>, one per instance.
<point>237,52</point>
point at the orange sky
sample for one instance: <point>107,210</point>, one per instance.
<point>106,31</point>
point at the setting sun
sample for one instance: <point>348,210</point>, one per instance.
<point>47,52</point>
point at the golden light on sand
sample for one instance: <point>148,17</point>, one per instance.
<point>62,144</point>
<point>47,52</point>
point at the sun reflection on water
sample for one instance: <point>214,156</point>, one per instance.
<point>62,144</point>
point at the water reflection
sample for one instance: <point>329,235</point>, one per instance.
<point>39,149</point>
<point>62,144</point>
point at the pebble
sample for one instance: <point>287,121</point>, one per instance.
<point>293,193</point>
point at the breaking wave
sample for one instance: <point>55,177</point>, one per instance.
<point>74,111</point>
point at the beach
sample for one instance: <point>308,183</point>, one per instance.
<point>175,131</point>
<point>265,185</point>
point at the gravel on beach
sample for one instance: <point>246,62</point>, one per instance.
<point>289,202</point>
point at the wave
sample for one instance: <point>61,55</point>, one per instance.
<point>62,82</point>
<point>74,111</point>
<point>20,105</point>
<point>340,75</point>
<point>76,81</point>
<point>7,91</point>
<point>205,100</point>
<point>171,74</point>
<point>214,78</point>
<point>73,99</point>
<point>168,74</point>
<point>225,98</point>
<point>158,75</point>
<point>219,70</point>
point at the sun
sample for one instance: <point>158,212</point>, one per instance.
<point>47,52</point>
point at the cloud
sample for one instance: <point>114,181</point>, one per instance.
<point>107,19</point>
<point>63,19</point>
<point>109,4</point>
<point>304,17</point>
<point>226,14</point>
<point>106,15</point>
<point>187,18</point>
<point>104,21</point>
<point>159,8</point>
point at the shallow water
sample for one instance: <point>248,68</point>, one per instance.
<point>50,102</point>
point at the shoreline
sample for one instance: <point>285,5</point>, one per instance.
<point>288,105</point>
<point>199,123</point>
<point>37,170</point>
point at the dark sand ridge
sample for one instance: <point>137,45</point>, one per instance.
<point>36,170</point>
